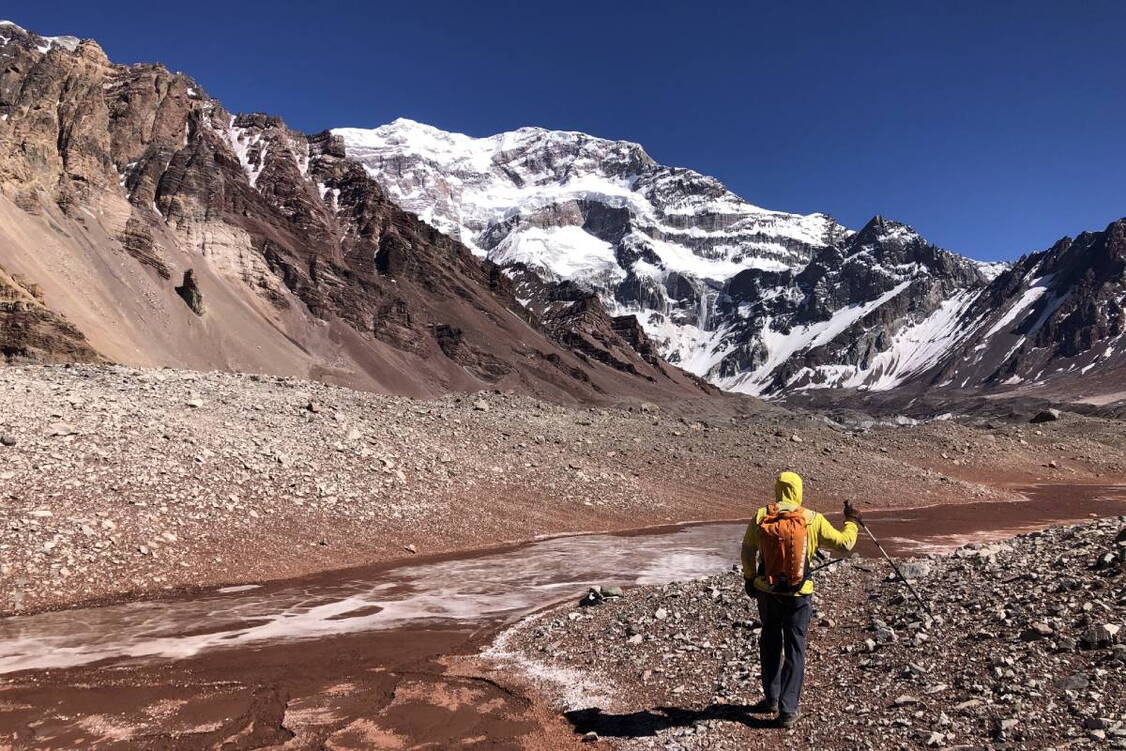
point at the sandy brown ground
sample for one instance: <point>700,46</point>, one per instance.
<point>361,692</point>
<point>118,482</point>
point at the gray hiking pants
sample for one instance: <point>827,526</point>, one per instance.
<point>785,619</point>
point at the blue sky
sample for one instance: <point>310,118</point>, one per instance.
<point>993,128</point>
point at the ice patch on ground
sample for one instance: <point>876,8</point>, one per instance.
<point>570,688</point>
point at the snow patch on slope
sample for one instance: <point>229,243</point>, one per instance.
<point>1036,289</point>
<point>992,269</point>
<point>915,348</point>
<point>781,346</point>
<point>245,144</point>
<point>563,252</point>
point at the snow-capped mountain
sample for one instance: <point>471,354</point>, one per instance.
<point>752,299</point>
<point>1056,313</point>
<point>651,240</point>
<point>756,301</point>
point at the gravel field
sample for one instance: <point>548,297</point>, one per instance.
<point>1025,649</point>
<point>117,482</point>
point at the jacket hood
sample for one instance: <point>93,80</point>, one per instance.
<point>788,488</point>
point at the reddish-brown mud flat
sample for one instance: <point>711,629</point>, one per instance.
<point>381,657</point>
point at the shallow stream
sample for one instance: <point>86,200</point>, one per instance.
<point>479,590</point>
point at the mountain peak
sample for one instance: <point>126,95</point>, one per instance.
<point>42,44</point>
<point>881,229</point>
<point>443,146</point>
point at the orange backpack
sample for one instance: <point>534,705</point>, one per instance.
<point>783,546</point>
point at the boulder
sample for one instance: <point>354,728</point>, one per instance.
<point>1100,636</point>
<point>60,429</point>
<point>915,569</point>
<point>189,292</point>
<point>1047,415</point>
<point>1076,682</point>
<point>593,596</point>
<point>1037,630</point>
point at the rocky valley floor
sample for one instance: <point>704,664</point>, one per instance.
<point>1023,650</point>
<point>117,482</point>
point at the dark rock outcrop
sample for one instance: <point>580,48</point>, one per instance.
<point>31,332</point>
<point>189,291</point>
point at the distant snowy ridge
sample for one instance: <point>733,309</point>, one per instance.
<point>756,301</point>
<point>472,188</point>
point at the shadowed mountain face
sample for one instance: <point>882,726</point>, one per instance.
<point>757,301</point>
<point>142,223</point>
<point>1056,316</point>
<point>888,311</point>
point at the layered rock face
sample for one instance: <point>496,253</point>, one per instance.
<point>871,312</point>
<point>1056,315</point>
<point>650,240</point>
<point>169,231</point>
<point>755,301</point>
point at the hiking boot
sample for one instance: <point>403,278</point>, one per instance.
<point>787,720</point>
<point>765,706</point>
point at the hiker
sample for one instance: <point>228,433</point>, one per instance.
<point>785,535</point>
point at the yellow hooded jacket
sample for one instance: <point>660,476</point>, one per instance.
<point>788,496</point>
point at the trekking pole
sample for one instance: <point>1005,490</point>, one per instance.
<point>895,568</point>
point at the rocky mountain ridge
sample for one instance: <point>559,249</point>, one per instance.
<point>161,229</point>
<point>156,228</point>
<point>755,301</point>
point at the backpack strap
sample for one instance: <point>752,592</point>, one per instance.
<point>766,512</point>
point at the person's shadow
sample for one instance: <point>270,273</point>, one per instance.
<point>649,722</point>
